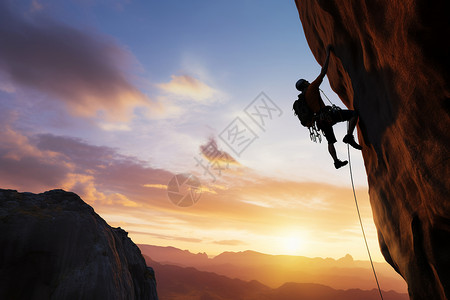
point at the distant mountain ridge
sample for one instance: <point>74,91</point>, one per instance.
<point>180,283</point>
<point>174,255</point>
<point>275,270</point>
<point>180,257</point>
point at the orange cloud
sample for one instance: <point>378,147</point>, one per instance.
<point>230,242</point>
<point>189,87</point>
<point>100,175</point>
<point>156,186</point>
<point>25,166</point>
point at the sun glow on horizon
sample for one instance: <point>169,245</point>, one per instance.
<point>292,244</point>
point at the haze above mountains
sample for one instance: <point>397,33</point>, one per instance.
<point>276,270</point>
<point>179,283</point>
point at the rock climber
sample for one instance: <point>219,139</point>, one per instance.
<point>326,116</point>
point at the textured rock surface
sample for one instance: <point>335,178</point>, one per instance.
<point>391,64</point>
<point>54,246</point>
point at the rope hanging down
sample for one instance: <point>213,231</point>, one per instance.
<point>360,222</point>
<point>357,208</point>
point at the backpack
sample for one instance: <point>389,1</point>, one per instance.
<point>307,117</point>
<point>303,112</point>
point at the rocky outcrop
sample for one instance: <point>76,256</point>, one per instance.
<point>54,246</point>
<point>391,64</point>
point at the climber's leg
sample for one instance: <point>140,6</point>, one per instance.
<point>337,163</point>
<point>352,117</point>
<point>352,124</point>
<point>331,138</point>
<point>332,152</point>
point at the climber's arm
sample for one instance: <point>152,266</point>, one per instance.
<point>325,65</point>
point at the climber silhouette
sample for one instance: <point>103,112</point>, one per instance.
<point>326,116</point>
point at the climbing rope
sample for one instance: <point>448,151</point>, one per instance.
<point>357,206</point>
<point>326,97</point>
<point>360,221</point>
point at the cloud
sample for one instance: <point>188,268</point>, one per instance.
<point>186,86</point>
<point>99,174</point>
<point>168,237</point>
<point>112,171</point>
<point>258,203</point>
<point>22,164</point>
<point>156,186</point>
<point>230,242</point>
<point>114,126</point>
<point>212,153</point>
<point>36,6</point>
<point>86,71</point>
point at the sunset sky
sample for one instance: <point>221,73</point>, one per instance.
<point>111,99</point>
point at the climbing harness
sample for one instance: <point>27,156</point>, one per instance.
<point>323,116</point>
<point>360,221</point>
<point>334,108</point>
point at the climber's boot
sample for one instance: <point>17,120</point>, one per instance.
<point>338,163</point>
<point>349,139</point>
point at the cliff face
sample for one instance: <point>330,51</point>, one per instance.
<point>391,64</point>
<point>54,246</point>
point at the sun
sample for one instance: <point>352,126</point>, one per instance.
<point>292,244</point>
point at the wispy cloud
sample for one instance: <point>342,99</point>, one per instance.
<point>87,71</point>
<point>22,163</point>
<point>36,5</point>
<point>112,126</point>
<point>188,87</point>
<point>168,237</point>
<point>156,186</point>
<point>230,242</point>
<point>99,174</point>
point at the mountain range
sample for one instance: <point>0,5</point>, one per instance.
<point>187,283</point>
<point>276,270</point>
